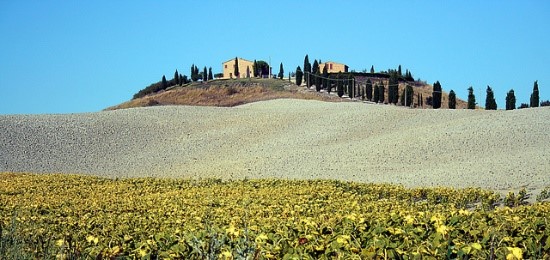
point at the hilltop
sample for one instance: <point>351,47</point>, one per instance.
<point>234,92</point>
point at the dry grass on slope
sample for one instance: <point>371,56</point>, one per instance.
<point>227,93</point>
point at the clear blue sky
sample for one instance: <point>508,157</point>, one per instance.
<point>83,56</point>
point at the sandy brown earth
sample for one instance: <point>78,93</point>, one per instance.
<point>289,139</point>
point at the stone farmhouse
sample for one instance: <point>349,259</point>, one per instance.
<point>333,67</point>
<point>245,68</point>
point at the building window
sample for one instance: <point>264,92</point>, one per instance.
<point>226,66</point>
<point>330,66</point>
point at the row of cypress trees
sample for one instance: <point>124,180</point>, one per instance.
<point>490,102</point>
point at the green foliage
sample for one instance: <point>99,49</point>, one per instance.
<point>176,79</point>
<point>195,76</point>
<point>262,68</point>
<point>299,76</point>
<point>281,71</point>
<point>544,194</point>
<point>545,103</point>
<point>510,100</point>
<point>512,200</point>
<point>407,96</point>
<point>163,82</point>
<point>204,74</point>
<point>148,218</point>
<point>490,102</point>
<point>523,105</point>
<point>436,95</point>
<point>210,76</point>
<point>535,95</point>
<point>340,86</point>
<point>372,69</point>
<point>471,98</point>
<point>452,100</point>
<point>351,86</point>
<point>236,68</point>
<point>393,88</point>
<point>255,69</point>
<point>381,95</point>
<point>307,70</point>
<point>376,93</point>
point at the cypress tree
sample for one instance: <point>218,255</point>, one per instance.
<point>452,100</point>
<point>340,86</point>
<point>315,67</point>
<point>163,83</point>
<point>471,98</point>
<point>510,100</point>
<point>372,69</point>
<point>399,71</point>
<point>325,77</point>
<point>376,94</point>
<point>393,88</point>
<point>307,70</point>
<point>368,89</point>
<point>236,70</point>
<point>535,95</point>
<point>176,78</point>
<point>381,90</point>
<point>436,94</point>
<point>204,74</point>
<point>490,103</point>
<point>350,87</point>
<point>210,75</point>
<point>299,75</point>
<point>281,71</point>
<point>255,69</point>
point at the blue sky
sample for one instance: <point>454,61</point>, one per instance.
<point>83,56</point>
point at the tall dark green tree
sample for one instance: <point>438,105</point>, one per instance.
<point>351,87</point>
<point>490,103</point>
<point>452,100</point>
<point>315,67</point>
<point>210,75</point>
<point>325,77</point>
<point>163,83</point>
<point>281,71</point>
<point>193,73</point>
<point>299,76</point>
<point>399,71</point>
<point>510,100</point>
<point>236,69</point>
<point>204,74</point>
<point>436,94</point>
<point>176,79</point>
<point>255,69</point>
<point>368,90</point>
<point>340,86</point>
<point>471,98</point>
<point>376,94</point>
<point>307,70</point>
<point>535,99</point>
<point>407,96</point>
<point>381,95</point>
<point>393,88</point>
<point>372,69</point>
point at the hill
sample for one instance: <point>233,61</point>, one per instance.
<point>234,92</point>
<point>289,139</point>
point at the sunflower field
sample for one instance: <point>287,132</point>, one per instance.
<point>54,216</point>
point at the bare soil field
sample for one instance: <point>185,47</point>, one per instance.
<point>289,139</point>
